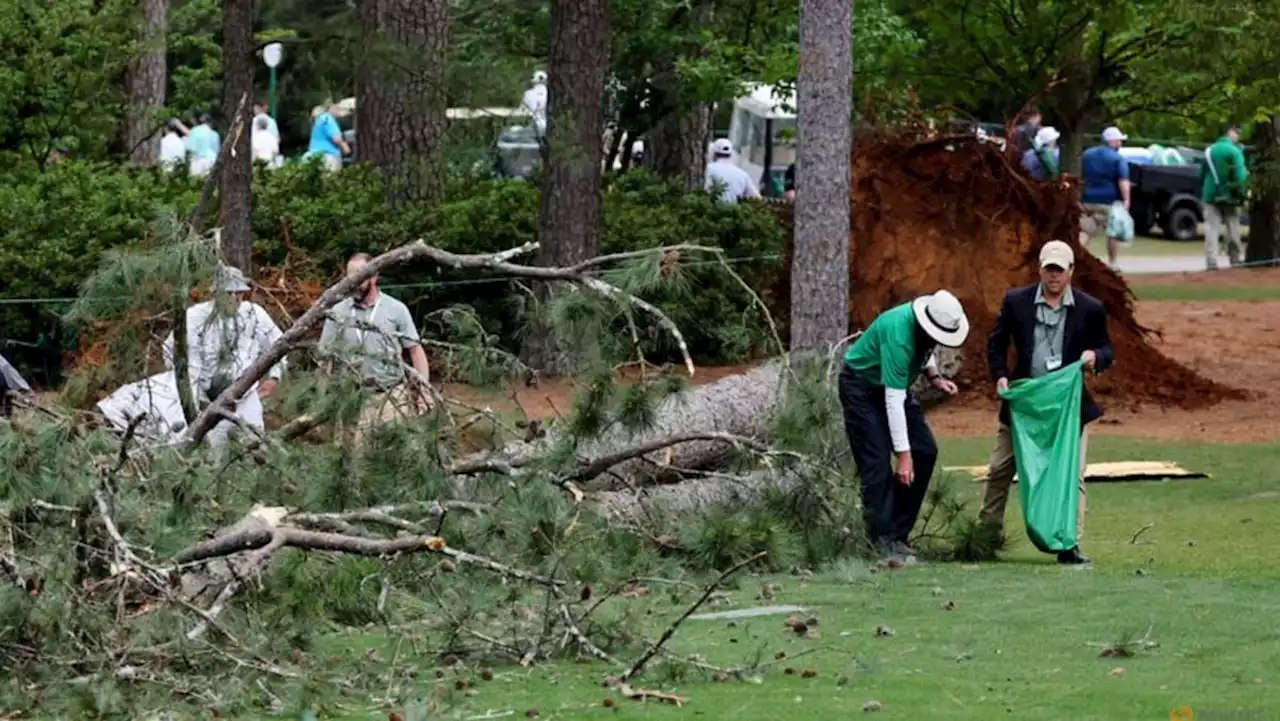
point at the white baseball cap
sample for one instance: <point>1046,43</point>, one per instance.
<point>1058,253</point>
<point>942,318</point>
<point>722,147</point>
<point>1112,134</point>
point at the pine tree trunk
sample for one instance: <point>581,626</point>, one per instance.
<point>1264,216</point>
<point>147,77</point>
<point>569,214</point>
<point>820,260</point>
<point>401,100</point>
<point>694,497</point>
<point>235,191</point>
<point>676,147</point>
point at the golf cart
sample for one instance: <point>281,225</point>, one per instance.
<point>762,130</point>
<point>513,151</point>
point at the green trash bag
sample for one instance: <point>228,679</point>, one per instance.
<point>1045,421</point>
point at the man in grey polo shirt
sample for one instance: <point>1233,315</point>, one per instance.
<point>372,330</point>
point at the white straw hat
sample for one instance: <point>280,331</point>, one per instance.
<point>942,318</point>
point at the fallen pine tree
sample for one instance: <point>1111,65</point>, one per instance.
<point>198,572</point>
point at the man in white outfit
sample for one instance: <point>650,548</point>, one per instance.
<point>724,179</point>
<point>535,101</point>
<point>173,150</point>
<point>225,335</point>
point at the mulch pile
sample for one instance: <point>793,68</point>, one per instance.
<point>932,211</point>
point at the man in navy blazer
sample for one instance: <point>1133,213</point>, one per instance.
<point>1050,325</point>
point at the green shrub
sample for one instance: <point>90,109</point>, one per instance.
<point>57,223</point>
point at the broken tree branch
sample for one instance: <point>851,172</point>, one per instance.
<point>638,665</point>
<point>282,536</point>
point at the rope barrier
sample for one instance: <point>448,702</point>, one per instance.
<point>432,283</point>
<point>484,281</point>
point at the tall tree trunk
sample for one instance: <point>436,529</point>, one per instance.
<point>569,213</point>
<point>235,192</point>
<point>1264,216</point>
<point>148,74</point>
<point>676,148</point>
<point>824,100</point>
<point>401,94</point>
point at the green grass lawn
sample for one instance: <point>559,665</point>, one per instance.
<point>1022,641</point>
<point>1148,246</point>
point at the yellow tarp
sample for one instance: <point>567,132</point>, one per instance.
<point>1118,471</point>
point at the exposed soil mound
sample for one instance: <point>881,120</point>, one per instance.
<point>952,212</point>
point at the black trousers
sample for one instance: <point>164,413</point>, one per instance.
<point>889,508</point>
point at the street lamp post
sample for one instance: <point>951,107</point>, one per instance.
<point>272,55</point>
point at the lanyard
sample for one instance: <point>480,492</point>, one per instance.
<point>363,328</point>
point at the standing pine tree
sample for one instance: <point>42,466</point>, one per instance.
<point>236,180</point>
<point>820,261</point>
<point>569,216</point>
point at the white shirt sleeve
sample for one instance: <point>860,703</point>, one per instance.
<point>268,334</point>
<point>168,351</point>
<point>895,405</point>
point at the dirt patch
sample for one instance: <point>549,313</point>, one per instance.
<point>1234,278</point>
<point>1228,341</point>
<point>953,212</point>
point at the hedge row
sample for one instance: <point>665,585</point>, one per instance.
<point>56,224</point>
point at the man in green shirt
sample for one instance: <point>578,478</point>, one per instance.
<point>1223,178</point>
<point>882,422</point>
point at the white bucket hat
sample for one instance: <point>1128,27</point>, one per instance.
<point>942,318</point>
<point>230,280</point>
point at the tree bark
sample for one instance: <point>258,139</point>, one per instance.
<point>401,96</point>
<point>694,497</point>
<point>148,74</point>
<point>237,173</point>
<point>820,261</point>
<point>569,214</point>
<point>1264,216</point>
<point>677,145</point>
<point>739,405</point>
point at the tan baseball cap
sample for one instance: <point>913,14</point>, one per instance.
<point>1058,253</point>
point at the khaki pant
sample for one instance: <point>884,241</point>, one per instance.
<point>1093,222</point>
<point>1216,219</point>
<point>1000,478</point>
<point>395,404</point>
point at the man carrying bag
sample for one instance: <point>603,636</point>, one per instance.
<point>1057,333</point>
<point>1223,191</point>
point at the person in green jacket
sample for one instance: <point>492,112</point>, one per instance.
<point>1223,182</point>
<point>883,423</point>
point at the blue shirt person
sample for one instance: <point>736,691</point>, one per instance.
<point>1103,170</point>
<point>326,137</point>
